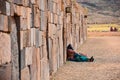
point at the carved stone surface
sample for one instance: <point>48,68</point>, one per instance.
<point>34,35</point>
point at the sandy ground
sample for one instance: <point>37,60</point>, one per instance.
<point>106,51</point>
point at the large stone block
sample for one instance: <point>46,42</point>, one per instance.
<point>5,48</point>
<point>25,74</point>
<point>26,57</point>
<point>54,7</point>
<point>38,38</point>
<point>55,18</point>
<point>14,50</point>
<point>50,5</point>
<point>19,2</point>
<point>43,21</point>
<point>32,36</point>
<point>42,5</point>
<point>68,18</point>
<point>33,1</point>
<point>4,7</point>
<point>29,17</point>
<point>3,23</point>
<point>44,69</point>
<point>49,17</point>
<point>34,66</point>
<point>50,45</point>
<point>5,72</point>
<point>54,54</point>
<point>25,39</point>
<point>24,12</point>
<point>37,18</point>
<point>17,9</point>
<point>52,30</point>
<point>52,18</point>
<point>38,63</point>
<point>8,8</point>
<point>26,3</point>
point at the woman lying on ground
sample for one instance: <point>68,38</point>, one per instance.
<point>78,57</point>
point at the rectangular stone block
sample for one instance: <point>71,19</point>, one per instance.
<point>50,5</point>
<point>17,9</point>
<point>8,8</point>
<point>37,18</point>
<point>44,69</point>
<point>61,50</point>
<point>54,7</point>
<point>52,30</point>
<point>25,74</point>
<point>26,57</point>
<point>37,39</point>
<point>55,18</point>
<point>54,54</point>
<point>23,25</point>
<point>11,9</point>
<point>50,45</point>
<point>42,5</point>
<point>5,48</point>
<point>49,16</point>
<point>38,63</point>
<point>35,68</point>
<point>33,1</point>
<point>68,18</point>
<point>52,18</point>
<point>38,2</point>
<point>41,53</point>
<point>5,72</point>
<point>4,7</point>
<point>24,12</point>
<point>3,23</point>
<point>19,2</point>
<point>26,3</point>
<point>29,18</point>
<point>61,20</point>
<point>59,4</point>
<point>32,36</point>
<point>14,49</point>
<point>43,21</point>
<point>25,39</point>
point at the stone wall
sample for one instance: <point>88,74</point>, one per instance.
<point>34,35</point>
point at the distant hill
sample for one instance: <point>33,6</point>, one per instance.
<point>102,11</point>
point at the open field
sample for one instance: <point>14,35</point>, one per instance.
<point>101,27</point>
<point>100,34</point>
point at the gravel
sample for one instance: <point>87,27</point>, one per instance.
<point>106,51</point>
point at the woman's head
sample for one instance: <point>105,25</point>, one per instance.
<point>70,47</point>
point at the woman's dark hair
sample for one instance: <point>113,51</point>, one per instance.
<point>70,47</point>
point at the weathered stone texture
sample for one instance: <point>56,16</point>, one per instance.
<point>3,23</point>
<point>4,7</point>
<point>14,50</point>
<point>25,74</point>
<point>5,48</point>
<point>34,35</point>
<point>5,72</point>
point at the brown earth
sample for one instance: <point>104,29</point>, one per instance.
<point>106,51</point>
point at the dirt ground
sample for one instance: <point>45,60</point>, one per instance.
<point>106,51</point>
